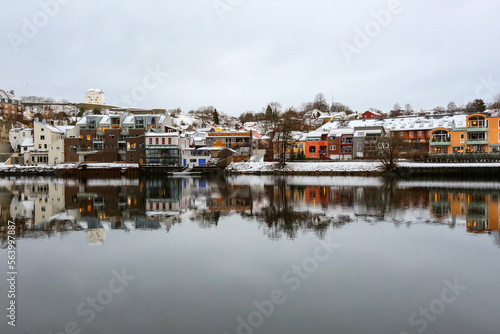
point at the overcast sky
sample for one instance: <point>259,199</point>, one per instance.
<point>238,55</point>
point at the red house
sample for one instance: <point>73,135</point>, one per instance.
<point>371,114</point>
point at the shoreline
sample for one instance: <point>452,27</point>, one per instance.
<point>344,168</point>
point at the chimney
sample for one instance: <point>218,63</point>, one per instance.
<point>44,121</point>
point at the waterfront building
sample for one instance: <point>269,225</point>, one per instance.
<point>240,141</point>
<point>477,133</point>
<point>48,143</point>
<point>110,138</point>
<point>365,141</point>
<point>340,144</point>
<point>10,105</point>
<point>316,145</point>
<point>17,136</point>
<point>165,148</point>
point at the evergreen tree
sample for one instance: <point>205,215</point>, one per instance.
<point>216,117</point>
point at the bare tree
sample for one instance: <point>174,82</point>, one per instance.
<point>495,105</point>
<point>339,107</point>
<point>287,124</point>
<point>452,107</point>
<point>388,150</point>
<point>439,110</point>
<point>396,110</point>
<point>320,103</point>
<point>408,108</point>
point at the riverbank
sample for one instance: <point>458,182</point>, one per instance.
<point>338,168</point>
<point>342,168</point>
<point>365,168</point>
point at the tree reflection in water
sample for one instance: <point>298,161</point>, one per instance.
<point>283,206</point>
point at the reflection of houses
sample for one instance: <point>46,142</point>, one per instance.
<point>96,237</point>
<point>480,210</point>
<point>39,201</point>
<point>238,198</point>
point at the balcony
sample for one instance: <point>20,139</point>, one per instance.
<point>477,141</point>
<point>477,126</point>
<point>346,142</point>
<point>440,141</point>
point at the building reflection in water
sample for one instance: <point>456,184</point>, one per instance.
<point>283,206</point>
<point>478,208</point>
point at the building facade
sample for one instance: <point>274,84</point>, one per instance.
<point>110,138</point>
<point>94,96</point>
<point>10,105</point>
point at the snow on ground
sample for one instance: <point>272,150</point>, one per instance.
<point>339,166</point>
<point>444,164</point>
<point>3,166</point>
<point>352,166</point>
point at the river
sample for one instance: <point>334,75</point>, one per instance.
<point>251,254</point>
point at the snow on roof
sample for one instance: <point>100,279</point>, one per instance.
<point>152,133</point>
<point>315,134</point>
<point>105,120</point>
<point>52,128</point>
<point>405,123</point>
<point>341,131</point>
<point>27,142</point>
<point>94,90</point>
<point>129,120</point>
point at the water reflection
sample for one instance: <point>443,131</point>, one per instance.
<point>284,206</point>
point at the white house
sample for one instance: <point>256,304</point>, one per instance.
<point>94,96</point>
<point>18,135</point>
<point>48,144</point>
<point>164,148</point>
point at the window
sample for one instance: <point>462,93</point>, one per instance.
<point>332,147</point>
<point>401,134</point>
<point>88,137</point>
<point>157,141</point>
<point>169,141</point>
<point>163,141</point>
<point>312,149</point>
<point>462,138</point>
<point>420,133</point>
<point>42,137</point>
<point>44,145</point>
<point>150,141</point>
<point>411,133</point>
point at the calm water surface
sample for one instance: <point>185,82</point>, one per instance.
<point>252,255</point>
